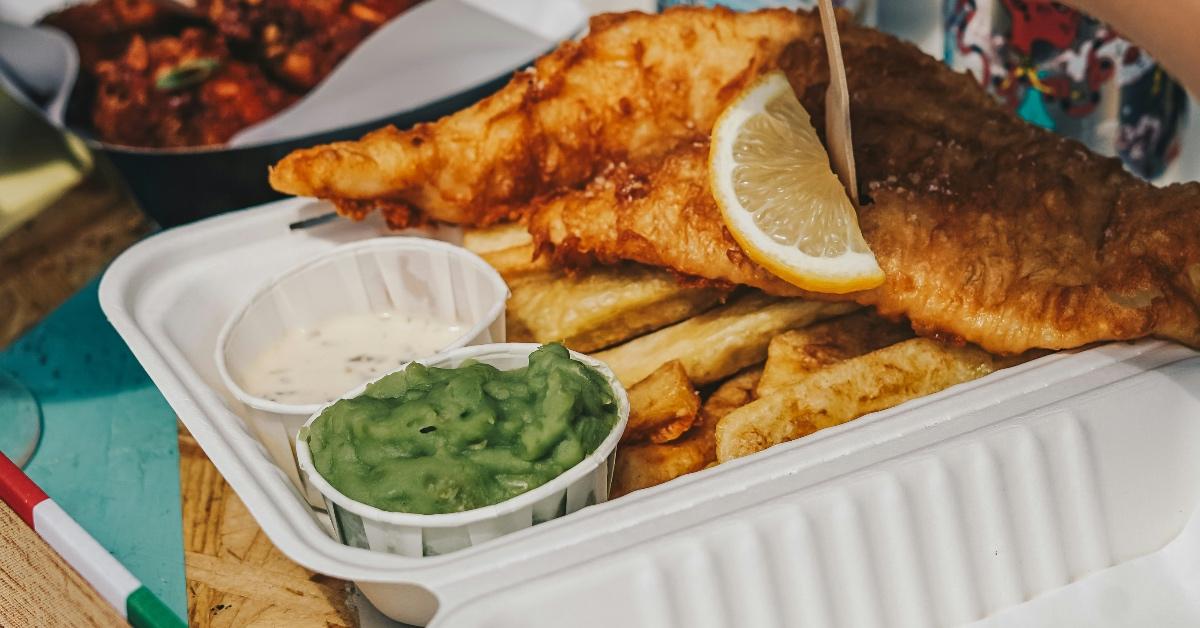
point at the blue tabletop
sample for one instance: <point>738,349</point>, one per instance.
<point>109,453</point>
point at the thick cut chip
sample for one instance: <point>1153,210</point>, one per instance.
<point>847,390</point>
<point>661,407</point>
<point>508,248</point>
<point>642,465</point>
<point>586,309</point>
<point>519,262</point>
<point>720,342</point>
<point>794,354</point>
<point>506,235</point>
<point>602,306</point>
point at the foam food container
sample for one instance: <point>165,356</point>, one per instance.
<point>1060,492</point>
<point>584,484</point>
<point>408,275</point>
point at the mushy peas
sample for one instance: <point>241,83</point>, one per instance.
<point>435,440</point>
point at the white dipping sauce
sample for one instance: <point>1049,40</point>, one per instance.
<point>321,363</point>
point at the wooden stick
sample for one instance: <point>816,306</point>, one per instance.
<point>837,106</point>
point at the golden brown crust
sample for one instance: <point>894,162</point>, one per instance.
<point>997,232</point>
<point>631,89</point>
<point>659,213</point>
<point>847,389</point>
<point>988,230</point>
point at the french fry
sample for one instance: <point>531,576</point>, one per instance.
<point>604,305</point>
<point>720,342</point>
<point>588,309</point>
<point>793,354</point>
<point>641,465</point>
<point>516,331</point>
<point>847,390</point>
<point>732,394</point>
<point>516,263</point>
<point>480,240</point>
<point>508,248</point>
<point>661,407</point>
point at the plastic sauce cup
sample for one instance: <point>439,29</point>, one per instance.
<point>408,275</point>
<point>360,525</point>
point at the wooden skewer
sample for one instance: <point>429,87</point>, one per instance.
<point>837,106</point>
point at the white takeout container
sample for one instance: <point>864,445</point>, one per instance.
<point>410,275</point>
<point>1061,492</point>
<point>407,534</point>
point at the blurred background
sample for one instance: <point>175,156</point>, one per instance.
<point>71,200</point>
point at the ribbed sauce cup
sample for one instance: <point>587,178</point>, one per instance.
<point>405,275</point>
<point>361,525</point>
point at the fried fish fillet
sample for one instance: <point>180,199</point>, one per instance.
<point>633,88</point>
<point>998,232</point>
<point>659,212</point>
<point>988,229</point>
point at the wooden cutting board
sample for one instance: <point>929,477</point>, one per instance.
<point>235,576</point>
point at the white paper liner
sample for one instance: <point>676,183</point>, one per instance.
<point>410,275</point>
<point>584,484</point>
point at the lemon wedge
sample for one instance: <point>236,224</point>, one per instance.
<point>779,197</point>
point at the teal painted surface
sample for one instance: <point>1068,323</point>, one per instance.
<point>109,453</point>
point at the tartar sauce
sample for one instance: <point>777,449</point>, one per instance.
<point>323,362</point>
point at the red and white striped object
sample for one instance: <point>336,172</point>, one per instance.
<point>84,554</point>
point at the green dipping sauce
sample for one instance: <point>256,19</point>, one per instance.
<point>433,440</point>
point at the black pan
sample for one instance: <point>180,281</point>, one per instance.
<point>176,186</point>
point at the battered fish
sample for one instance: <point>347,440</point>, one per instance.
<point>660,213</point>
<point>633,88</point>
<point>988,230</point>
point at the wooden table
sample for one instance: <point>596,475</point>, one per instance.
<point>235,576</point>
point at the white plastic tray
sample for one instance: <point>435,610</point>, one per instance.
<point>1058,492</point>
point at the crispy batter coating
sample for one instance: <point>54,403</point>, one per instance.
<point>633,88</point>
<point>1061,262</point>
<point>988,230</point>
<point>996,232</point>
<point>659,212</point>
